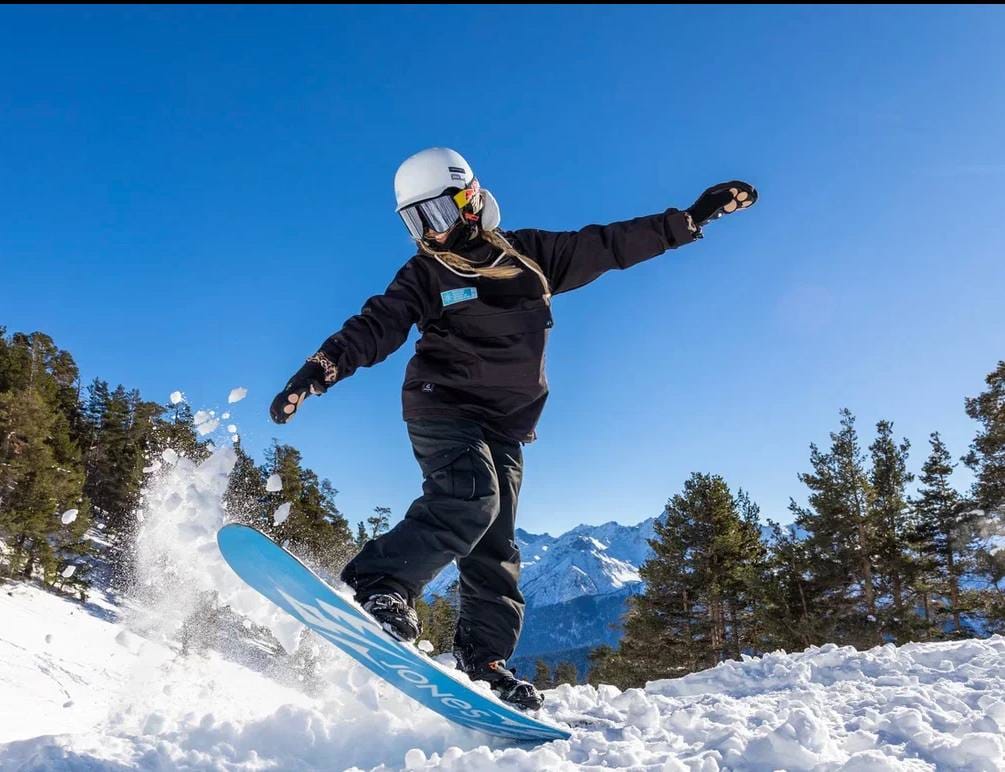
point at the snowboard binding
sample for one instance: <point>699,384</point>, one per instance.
<point>395,615</point>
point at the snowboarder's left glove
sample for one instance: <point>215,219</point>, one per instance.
<point>724,198</point>
<point>317,374</point>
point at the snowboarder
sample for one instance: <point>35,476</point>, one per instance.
<point>474,390</point>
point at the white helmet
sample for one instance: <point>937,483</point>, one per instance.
<point>434,187</point>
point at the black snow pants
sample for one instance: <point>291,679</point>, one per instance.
<point>466,513</point>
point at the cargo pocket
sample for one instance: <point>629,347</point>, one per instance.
<point>451,473</point>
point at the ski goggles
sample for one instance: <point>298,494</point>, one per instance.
<point>440,214</point>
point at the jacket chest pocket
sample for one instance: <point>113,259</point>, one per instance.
<point>496,324</point>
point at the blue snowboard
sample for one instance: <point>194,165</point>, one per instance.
<point>293,587</point>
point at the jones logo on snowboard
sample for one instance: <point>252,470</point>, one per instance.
<point>284,580</point>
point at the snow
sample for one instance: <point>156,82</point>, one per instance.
<point>170,456</point>
<point>274,483</point>
<point>68,516</point>
<point>105,686</point>
<point>232,428</point>
<point>225,416</point>
<point>205,423</point>
<point>236,395</point>
<point>176,397</point>
<point>573,565</point>
<point>585,561</point>
<point>235,438</point>
<point>282,512</point>
<point>68,572</point>
<point>135,703</point>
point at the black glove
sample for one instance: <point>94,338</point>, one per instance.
<point>724,198</point>
<point>309,379</point>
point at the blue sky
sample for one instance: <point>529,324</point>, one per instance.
<point>194,198</point>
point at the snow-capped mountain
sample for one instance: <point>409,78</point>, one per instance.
<point>589,560</point>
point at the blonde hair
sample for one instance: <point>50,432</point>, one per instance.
<point>496,239</point>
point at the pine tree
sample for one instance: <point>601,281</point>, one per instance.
<point>542,675</point>
<point>793,613</point>
<point>841,539</point>
<point>245,499</point>
<point>606,667</point>
<point>439,621</point>
<point>565,673</point>
<point>987,452</point>
<point>890,518</point>
<point>987,460</point>
<point>174,428</point>
<point>315,529</point>
<point>698,605</point>
<point>940,534</point>
<point>379,522</point>
<point>40,466</point>
<point>362,537</point>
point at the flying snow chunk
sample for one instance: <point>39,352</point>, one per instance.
<point>281,514</point>
<point>235,439</point>
<point>425,646</point>
<point>170,456</point>
<point>176,397</point>
<point>236,395</point>
<point>154,467</point>
<point>274,484</point>
<point>225,416</point>
<point>232,428</point>
<point>68,572</point>
<point>207,426</point>
<point>68,516</point>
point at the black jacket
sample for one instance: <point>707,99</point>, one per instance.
<point>481,354</point>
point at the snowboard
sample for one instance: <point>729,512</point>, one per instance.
<point>288,583</point>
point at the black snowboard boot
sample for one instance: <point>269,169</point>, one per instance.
<point>394,614</point>
<point>509,688</point>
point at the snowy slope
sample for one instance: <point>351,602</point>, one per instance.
<point>97,698</point>
<point>98,688</point>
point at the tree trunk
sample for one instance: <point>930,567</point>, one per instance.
<point>806,615</point>
<point>29,565</point>
<point>867,587</point>
<point>736,631</point>
<point>954,585</point>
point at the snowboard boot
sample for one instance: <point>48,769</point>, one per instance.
<point>509,688</point>
<point>395,615</point>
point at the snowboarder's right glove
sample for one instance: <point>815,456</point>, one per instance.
<point>724,198</point>
<point>317,374</point>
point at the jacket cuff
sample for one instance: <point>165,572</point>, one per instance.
<point>331,372</point>
<point>680,228</point>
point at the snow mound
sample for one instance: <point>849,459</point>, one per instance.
<point>84,688</point>
<point>134,703</point>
